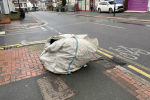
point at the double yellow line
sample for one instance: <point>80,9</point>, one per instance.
<point>111,55</point>
<point>23,44</point>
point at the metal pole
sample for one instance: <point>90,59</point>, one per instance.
<point>19,4</point>
<point>19,8</point>
<point>114,7</point>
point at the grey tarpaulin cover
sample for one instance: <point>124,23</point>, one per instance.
<point>69,53</point>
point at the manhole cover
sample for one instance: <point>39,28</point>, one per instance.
<point>54,88</point>
<point>35,48</point>
<point>106,64</point>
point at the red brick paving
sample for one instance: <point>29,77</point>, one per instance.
<point>136,88</point>
<point>18,64</point>
<point>12,23</point>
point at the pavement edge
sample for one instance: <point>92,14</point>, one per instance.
<point>120,18</point>
<point>133,75</point>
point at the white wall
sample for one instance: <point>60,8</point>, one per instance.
<point>148,8</point>
<point>29,5</point>
<point>12,6</point>
<point>41,5</point>
<point>5,7</point>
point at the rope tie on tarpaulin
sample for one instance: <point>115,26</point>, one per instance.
<point>43,52</point>
<point>73,57</point>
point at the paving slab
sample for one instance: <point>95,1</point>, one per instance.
<point>2,27</point>
<point>28,19</point>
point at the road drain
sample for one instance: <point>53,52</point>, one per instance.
<point>111,63</point>
<point>54,88</point>
<point>7,48</point>
<point>117,61</point>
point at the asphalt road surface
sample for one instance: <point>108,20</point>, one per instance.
<point>127,39</point>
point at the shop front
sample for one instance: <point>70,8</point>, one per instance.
<point>85,5</point>
<point>133,5</point>
<point>138,5</point>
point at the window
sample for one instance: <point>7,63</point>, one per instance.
<point>112,2</point>
<point>105,3</point>
<point>101,3</point>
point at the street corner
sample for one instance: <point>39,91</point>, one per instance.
<point>140,90</point>
<point>39,43</point>
<point>19,63</point>
<point>36,19</point>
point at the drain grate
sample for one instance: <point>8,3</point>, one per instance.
<point>54,88</point>
<point>117,61</point>
<point>111,63</point>
<point>7,48</point>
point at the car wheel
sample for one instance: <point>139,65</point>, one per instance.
<point>110,10</point>
<point>99,10</point>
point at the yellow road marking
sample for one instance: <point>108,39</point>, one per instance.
<point>139,71</point>
<point>19,45</point>
<point>25,43</point>
<point>130,66</point>
<point>127,60</point>
<point>9,45</point>
<point>105,54</point>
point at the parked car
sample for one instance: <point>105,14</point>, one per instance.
<point>108,6</point>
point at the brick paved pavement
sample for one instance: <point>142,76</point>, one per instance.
<point>12,23</point>
<point>133,86</point>
<point>18,64</point>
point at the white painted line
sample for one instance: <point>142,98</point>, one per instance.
<point>2,32</point>
<point>59,33</point>
<point>43,29</point>
<point>50,28</point>
<point>148,25</point>
<point>55,30</point>
<point>34,27</point>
